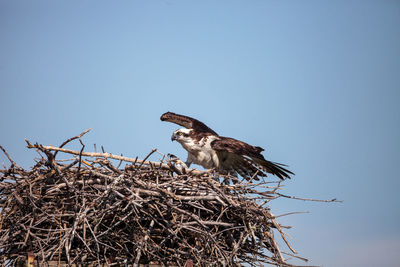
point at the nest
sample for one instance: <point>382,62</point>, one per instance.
<point>88,209</point>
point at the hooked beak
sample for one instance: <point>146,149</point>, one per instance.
<point>173,137</point>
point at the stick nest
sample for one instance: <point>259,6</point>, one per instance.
<point>88,209</point>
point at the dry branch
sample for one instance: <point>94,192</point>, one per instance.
<point>87,210</point>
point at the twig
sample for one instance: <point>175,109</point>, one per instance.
<point>310,199</point>
<point>9,158</point>
<point>73,138</point>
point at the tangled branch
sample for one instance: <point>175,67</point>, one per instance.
<point>86,209</point>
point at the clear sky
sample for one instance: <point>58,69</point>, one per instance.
<point>316,83</point>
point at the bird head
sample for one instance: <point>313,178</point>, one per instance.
<point>181,135</point>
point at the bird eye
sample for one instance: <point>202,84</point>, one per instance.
<point>180,133</point>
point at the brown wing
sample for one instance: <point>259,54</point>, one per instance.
<point>236,164</point>
<point>187,122</point>
<point>246,159</point>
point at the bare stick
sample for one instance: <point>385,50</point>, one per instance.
<point>111,156</point>
<point>9,158</point>
<point>310,199</point>
<point>73,138</point>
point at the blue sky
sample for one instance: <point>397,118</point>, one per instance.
<point>316,83</point>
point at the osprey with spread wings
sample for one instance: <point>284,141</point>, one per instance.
<point>227,155</point>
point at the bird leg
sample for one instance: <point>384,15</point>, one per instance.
<point>188,161</point>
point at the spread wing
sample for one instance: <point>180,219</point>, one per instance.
<point>187,122</point>
<point>239,157</point>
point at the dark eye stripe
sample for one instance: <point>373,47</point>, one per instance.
<point>183,134</point>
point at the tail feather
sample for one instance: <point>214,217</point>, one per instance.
<point>274,168</point>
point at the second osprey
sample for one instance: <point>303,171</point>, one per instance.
<point>227,155</point>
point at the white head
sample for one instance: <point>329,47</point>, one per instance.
<point>182,136</point>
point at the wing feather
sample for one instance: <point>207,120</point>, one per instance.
<point>246,159</point>
<point>236,164</point>
<point>187,122</point>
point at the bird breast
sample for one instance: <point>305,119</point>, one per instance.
<point>201,152</point>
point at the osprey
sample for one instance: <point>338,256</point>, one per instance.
<point>227,155</point>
